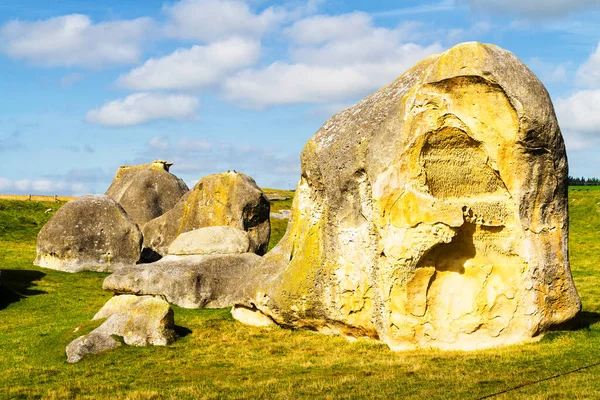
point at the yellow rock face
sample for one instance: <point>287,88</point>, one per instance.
<point>431,214</point>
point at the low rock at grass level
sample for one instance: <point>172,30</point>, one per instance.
<point>139,320</point>
<point>196,281</point>
<point>211,240</point>
<point>91,233</point>
<point>277,196</point>
<point>92,343</point>
<point>282,214</point>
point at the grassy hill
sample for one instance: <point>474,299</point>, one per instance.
<point>41,311</point>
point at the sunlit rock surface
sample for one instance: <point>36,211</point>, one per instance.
<point>91,233</point>
<point>226,199</point>
<point>146,191</point>
<point>433,213</point>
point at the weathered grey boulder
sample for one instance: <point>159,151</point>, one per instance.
<point>92,343</point>
<point>433,213</point>
<point>91,233</point>
<point>211,240</point>
<point>199,281</point>
<point>226,199</point>
<point>146,191</point>
<point>139,320</point>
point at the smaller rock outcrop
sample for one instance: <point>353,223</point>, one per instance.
<point>146,191</point>
<point>226,199</point>
<point>139,320</point>
<point>193,281</point>
<point>91,233</point>
<point>211,240</point>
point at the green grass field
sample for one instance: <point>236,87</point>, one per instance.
<point>216,357</point>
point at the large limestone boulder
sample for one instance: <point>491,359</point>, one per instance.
<point>433,213</point>
<point>226,199</point>
<point>211,240</point>
<point>91,233</point>
<point>194,281</point>
<point>139,320</point>
<point>146,191</point>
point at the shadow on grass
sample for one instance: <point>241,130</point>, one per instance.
<point>15,284</point>
<point>583,320</point>
<point>182,331</point>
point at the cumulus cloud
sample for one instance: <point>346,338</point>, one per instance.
<point>548,73</point>
<point>579,112</point>
<point>589,72</point>
<point>334,58</point>
<point>73,40</point>
<point>209,20</point>
<point>195,157</point>
<point>534,9</point>
<point>579,119</point>
<point>140,108</point>
<point>41,187</point>
<point>196,68</point>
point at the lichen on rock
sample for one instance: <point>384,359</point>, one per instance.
<point>433,213</point>
<point>226,199</point>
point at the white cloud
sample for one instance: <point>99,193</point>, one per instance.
<point>336,58</point>
<point>579,119</point>
<point>579,112</point>
<point>324,28</point>
<point>195,157</point>
<point>209,20</point>
<point>73,40</point>
<point>548,73</point>
<point>42,187</point>
<point>534,9</point>
<point>589,72</point>
<point>139,108</point>
<point>195,68</point>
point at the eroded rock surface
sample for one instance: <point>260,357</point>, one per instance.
<point>433,213</point>
<point>146,191</point>
<point>226,199</point>
<point>139,320</point>
<point>91,233</point>
<point>193,281</point>
<point>211,240</point>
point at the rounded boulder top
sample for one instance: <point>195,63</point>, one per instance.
<point>146,191</point>
<point>91,233</point>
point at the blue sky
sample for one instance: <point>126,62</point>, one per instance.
<point>214,85</point>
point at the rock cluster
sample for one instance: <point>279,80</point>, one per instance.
<point>227,199</point>
<point>101,232</point>
<point>433,213</point>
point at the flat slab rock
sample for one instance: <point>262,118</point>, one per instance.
<point>139,320</point>
<point>211,240</point>
<point>194,281</point>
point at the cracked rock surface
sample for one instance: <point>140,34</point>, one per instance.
<point>433,213</point>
